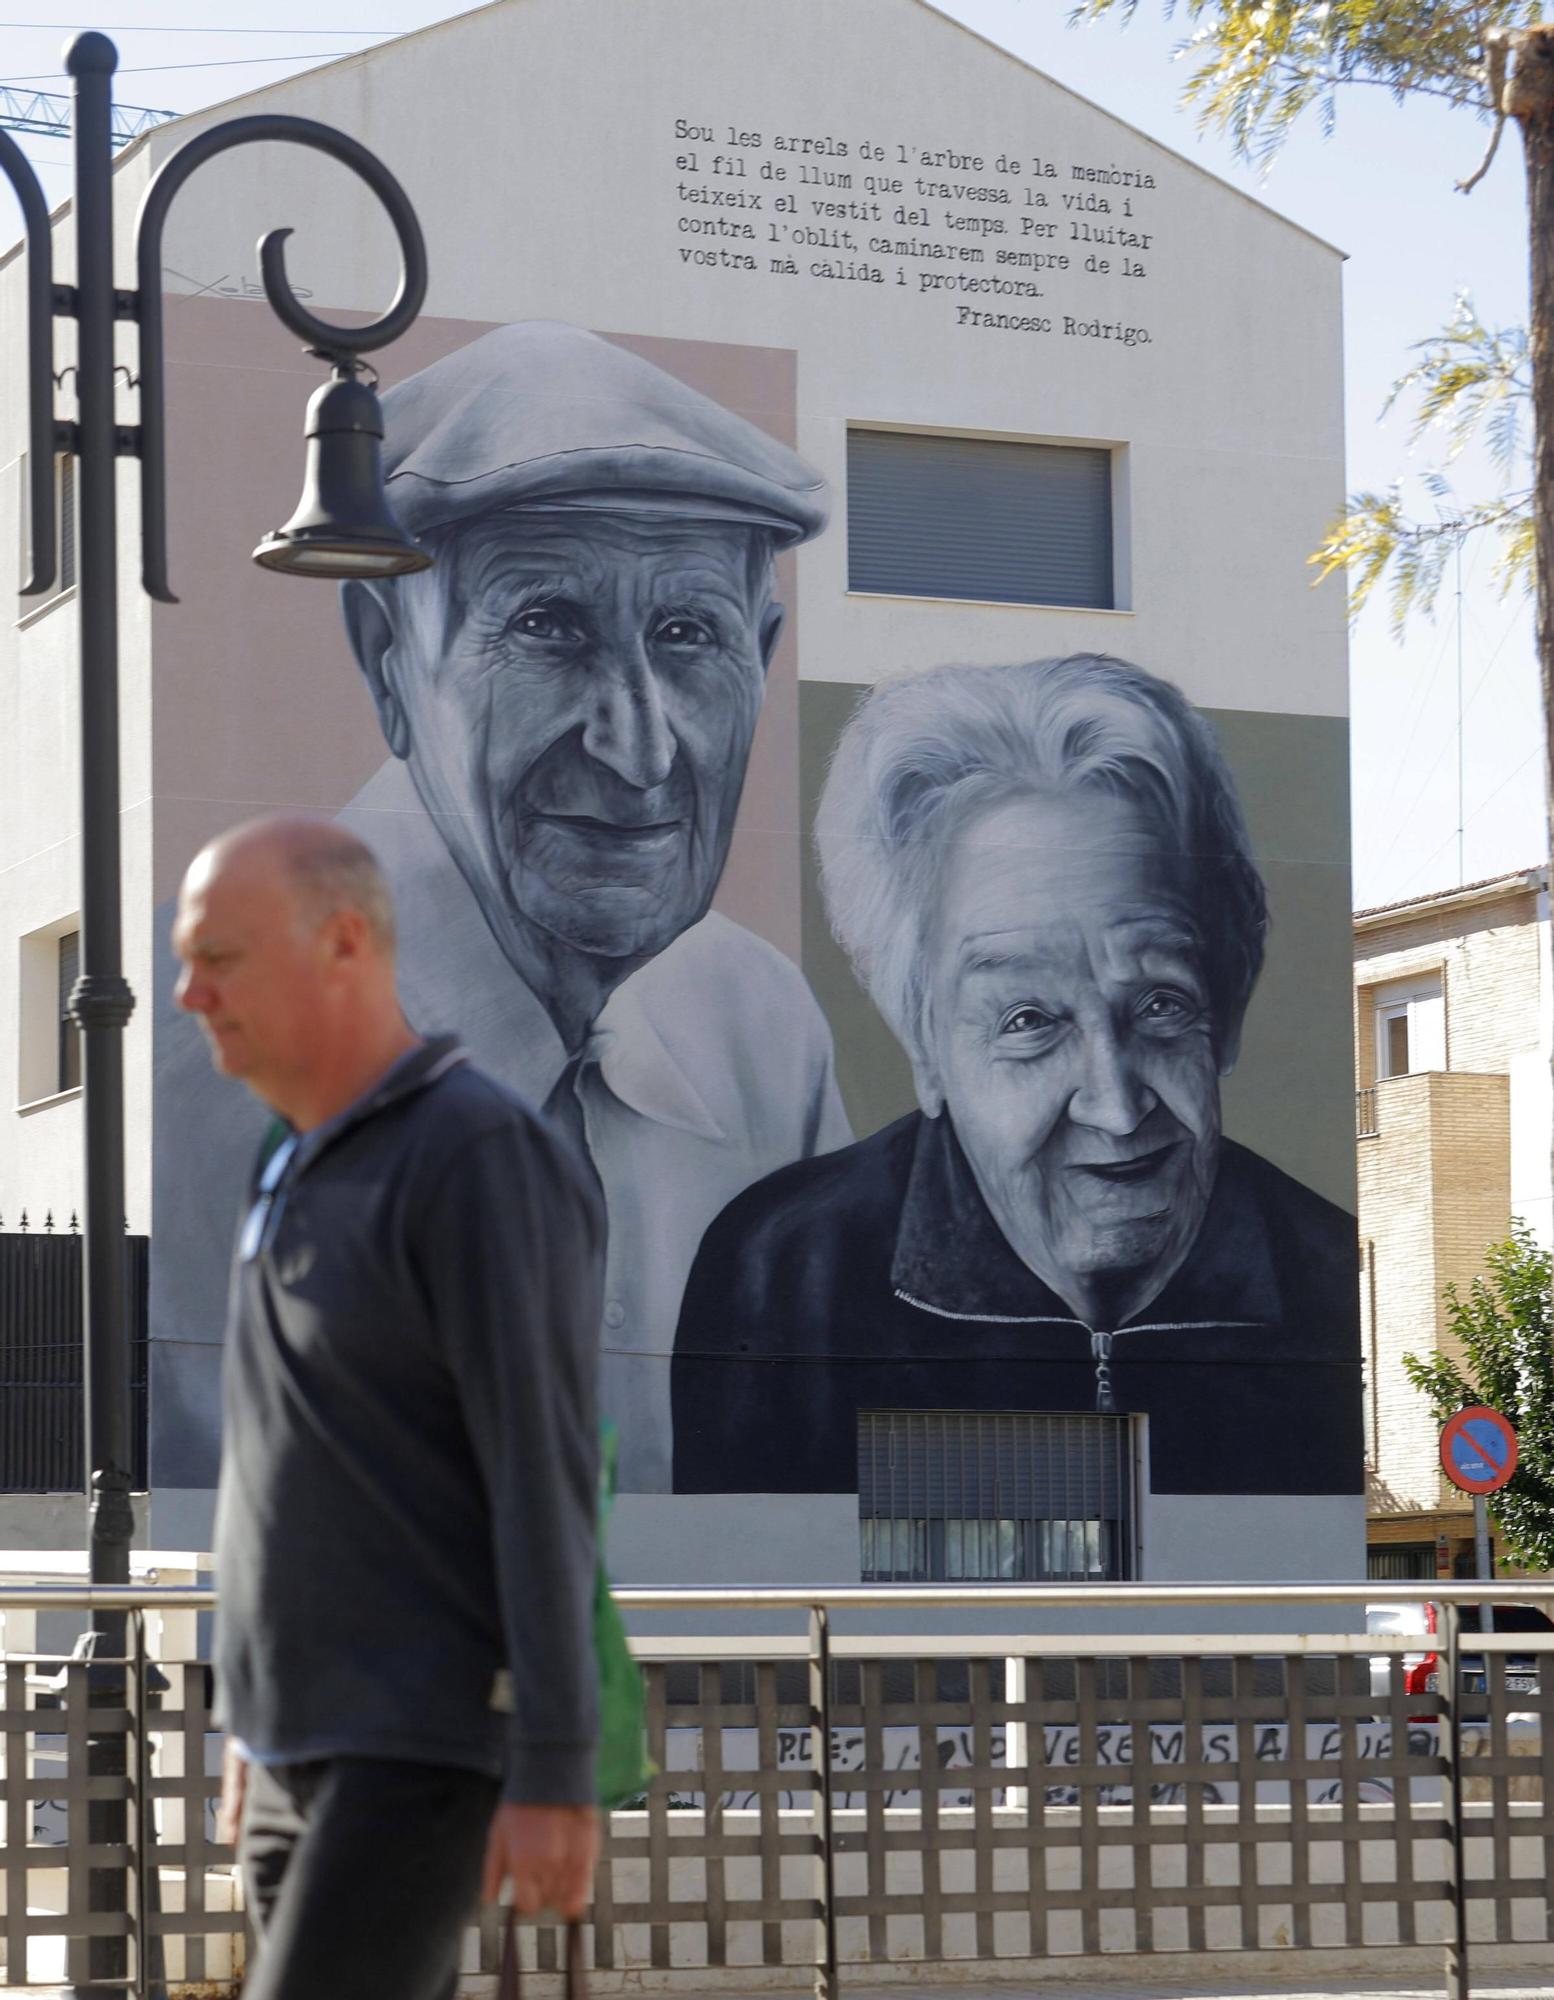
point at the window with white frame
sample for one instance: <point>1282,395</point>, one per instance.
<point>993,520</point>
<point>1410,1027</point>
<point>967,1496</point>
<point>49,1041</point>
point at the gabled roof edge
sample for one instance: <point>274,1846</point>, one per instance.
<point>1182,159</point>
<point>490,7</point>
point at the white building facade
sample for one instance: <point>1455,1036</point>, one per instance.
<point>1063,394</point>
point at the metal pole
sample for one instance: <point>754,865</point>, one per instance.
<point>102,1001</point>
<point>145,1811</point>
<point>1449,1670</point>
<point>1483,1563</point>
<point>826,1986</point>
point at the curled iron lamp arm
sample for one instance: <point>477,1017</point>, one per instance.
<point>339,344</point>
<point>17,169</point>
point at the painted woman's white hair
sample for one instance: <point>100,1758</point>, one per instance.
<point>921,752</point>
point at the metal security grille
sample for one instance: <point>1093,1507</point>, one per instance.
<point>42,1442</point>
<point>979,518</point>
<point>962,1496</point>
<point>1401,1562</point>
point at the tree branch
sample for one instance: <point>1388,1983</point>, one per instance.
<point>1495,52</point>
<point>1473,179</point>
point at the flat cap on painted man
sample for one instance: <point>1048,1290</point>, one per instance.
<point>544,415</point>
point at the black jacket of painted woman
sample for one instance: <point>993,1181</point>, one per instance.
<point>875,1278</point>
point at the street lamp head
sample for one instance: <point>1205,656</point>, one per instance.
<point>343,526</point>
<point>91,54</point>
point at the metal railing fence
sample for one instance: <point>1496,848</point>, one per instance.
<point>835,1798</point>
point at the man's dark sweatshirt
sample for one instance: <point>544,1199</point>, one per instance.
<point>409,1479</point>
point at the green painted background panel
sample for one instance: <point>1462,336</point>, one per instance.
<point>1291,1097</point>
<point>875,1077</point>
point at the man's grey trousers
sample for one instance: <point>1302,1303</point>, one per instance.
<point>361,1875</point>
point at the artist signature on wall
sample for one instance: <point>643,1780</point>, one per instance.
<point>226,286</point>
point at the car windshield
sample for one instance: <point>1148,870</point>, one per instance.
<point>1408,1618</point>
<point>1508,1618</point>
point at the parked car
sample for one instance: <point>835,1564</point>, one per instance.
<point>1421,1670</point>
<point>1402,1620</point>
<point>1520,1669</point>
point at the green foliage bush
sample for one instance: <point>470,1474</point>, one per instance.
<point>1503,1329</point>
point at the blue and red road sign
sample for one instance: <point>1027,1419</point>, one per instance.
<point>1478,1450</point>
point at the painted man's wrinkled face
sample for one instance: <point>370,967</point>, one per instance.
<point>580,727</point>
<point>1072,1040</point>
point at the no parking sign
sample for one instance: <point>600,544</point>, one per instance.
<point>1478,1450</point>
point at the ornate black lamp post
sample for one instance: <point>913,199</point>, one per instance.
<point>343,527</point>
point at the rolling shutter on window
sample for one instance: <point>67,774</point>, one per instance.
<point>69,1060</point>
<point>940,1465</point>
<point>69,969</point>
<point>979,518</point>
<point>67,522</point>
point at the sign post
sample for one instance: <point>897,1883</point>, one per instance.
<point>1481,1557</point>
<point>1478,1455</point>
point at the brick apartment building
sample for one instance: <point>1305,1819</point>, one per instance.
<point>1452,1021</point>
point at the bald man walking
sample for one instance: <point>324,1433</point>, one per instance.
<point>405,1528</point>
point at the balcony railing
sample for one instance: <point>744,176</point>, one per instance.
<point>836,1799</point>
<point>1367,1123</point>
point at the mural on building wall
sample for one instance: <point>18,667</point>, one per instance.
<point>1043,878</point>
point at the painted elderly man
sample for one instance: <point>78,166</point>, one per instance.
<point>1043,878</point>
<point>569,696</point>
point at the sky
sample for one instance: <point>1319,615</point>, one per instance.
<point>1381,188</point>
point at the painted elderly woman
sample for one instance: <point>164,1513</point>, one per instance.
<point>1042,876</point>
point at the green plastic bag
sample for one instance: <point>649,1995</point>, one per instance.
<point>624,1766</point>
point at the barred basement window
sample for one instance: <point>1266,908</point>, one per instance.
<point>986,519</point>
<point>1013,1497</point>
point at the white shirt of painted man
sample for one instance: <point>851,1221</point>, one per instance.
<point>708,1068</point>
